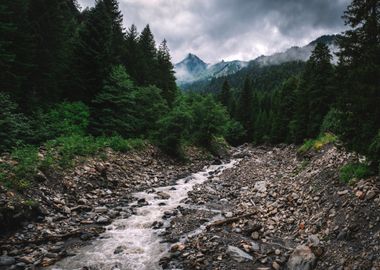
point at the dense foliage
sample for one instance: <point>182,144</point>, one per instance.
<point>80,83</point>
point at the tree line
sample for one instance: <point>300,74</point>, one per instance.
<point>342,99</point>
<point>70,75</point>
<point>67,72</point>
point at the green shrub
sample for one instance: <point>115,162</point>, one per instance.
<point>318,143</point>
<point>119,144</point>
<point>235,133</point>
<point>332,122</point>
<point>354,170</point>
<point>21,174</point>
<point>209,120</point>
<point>173,130</point>
<point>14,126</point>
<point>65,149</point>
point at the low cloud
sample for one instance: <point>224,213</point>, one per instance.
<point>239,29</point>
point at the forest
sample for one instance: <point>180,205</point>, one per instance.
<point>74,82</point>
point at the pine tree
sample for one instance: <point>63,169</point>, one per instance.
<point>314,95</point>
<point>225,94</point>
<point>113,106</point>
<point>17,50</point>
<point>359,74</point>
<point>285,102</point>
<point>53,24</point>
<point>166,79</point>
<point>131,53</point>
<point>148,58</point>
<point>320,91</point>
<point>99,47</point>
<point>245,108</point>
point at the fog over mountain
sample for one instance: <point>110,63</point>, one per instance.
<point>193,69</point>
<point>230,30</point>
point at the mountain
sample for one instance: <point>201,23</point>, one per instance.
<point>192,71</point>
<point>299,53</point>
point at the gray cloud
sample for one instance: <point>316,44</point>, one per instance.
<point>233,29</point>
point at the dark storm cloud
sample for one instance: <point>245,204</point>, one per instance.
<point>234,29</point>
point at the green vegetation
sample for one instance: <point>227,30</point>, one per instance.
<point>80,84</point>
<point>318,143</point>
<point>354,171</point>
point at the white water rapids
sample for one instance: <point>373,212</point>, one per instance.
<point>142,246</point>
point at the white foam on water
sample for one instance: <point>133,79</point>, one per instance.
<point>142,244</point>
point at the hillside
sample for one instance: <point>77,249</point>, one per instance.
<point>262,70</point>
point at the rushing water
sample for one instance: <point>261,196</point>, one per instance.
<point>140,244</point>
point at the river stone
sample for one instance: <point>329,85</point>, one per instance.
<point>261,186</point>
<point>302,258</point>
<point>102,220</point>
<point>163,195</point>
<point>101,209</point>
<point>6,260</point>
<point>238,255</point>
<point>119,249</point>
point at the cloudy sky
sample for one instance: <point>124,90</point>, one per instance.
<point>233,29</point>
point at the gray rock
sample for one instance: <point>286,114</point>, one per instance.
<point>101,209</point>
<point>302,258</point>
<point>6,260</point>
<point>255,246</point>
<point>261,186</point>
<point>119,249</point>
<point>238,255</point>
<point>103,220</point>
<point>163,195</point>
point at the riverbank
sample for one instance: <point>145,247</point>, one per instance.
<point>277,210</point>
<point>72,209</point>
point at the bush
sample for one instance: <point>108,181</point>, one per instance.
<point>354,170</point>
<point>64,119</point>
<point>210,120</point>
<point>65,149</point>
<point>120,144</point>
<point>21,174</point>
<point>173,129</point>
<point>318,143</point>
<point>235,133</point>
<point>14,127</point>
<point>332,122</point>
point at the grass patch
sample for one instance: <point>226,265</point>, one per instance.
<point>60,153</point>
<point>318,143</point>
<point>354,170</point>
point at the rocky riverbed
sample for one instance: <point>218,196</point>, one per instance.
<point>275,210</point>
<point>62,212</point>
<point>268,209</point>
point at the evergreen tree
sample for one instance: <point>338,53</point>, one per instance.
<point>16,50</point>
<point>284,110</point>
<point>131,53</point>
<point>314,95</point>
<point>99,47</point>
<point>320,91</point>
<point>113,107</point>
<point>53,23</point>
<point>166,79</point>
<point>358,74</point>
<point>245,108</point>
<point>225,94</point>
<point>148,58</point>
